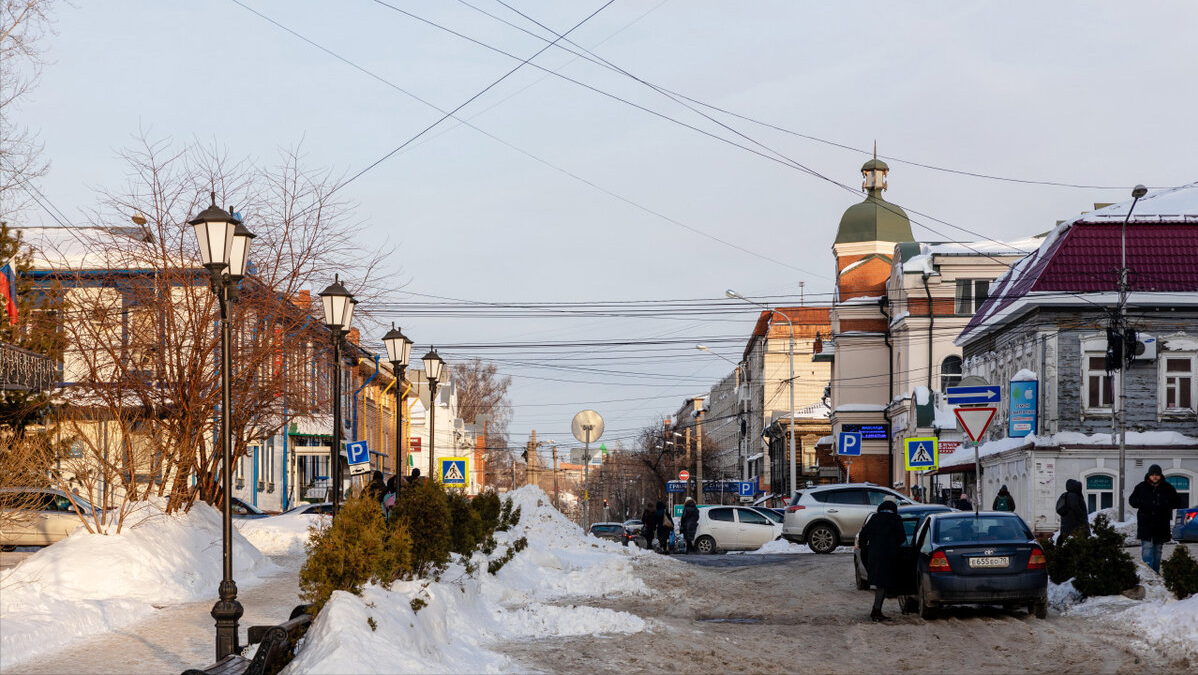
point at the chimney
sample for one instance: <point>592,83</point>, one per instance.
<point>354,336</point>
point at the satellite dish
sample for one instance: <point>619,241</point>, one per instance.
<point>587,426</point>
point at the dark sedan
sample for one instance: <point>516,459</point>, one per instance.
<point>912,516</point>
<point>1185,526</point>
<point>613,531</point>
<point>988,558</point>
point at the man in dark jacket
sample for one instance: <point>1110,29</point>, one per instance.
<point>648,526</point>
<point>1004,501</point>
<point>690,523</point>
<point>880,540</point>
<point>1154,501</point>
<point>1071,507</point>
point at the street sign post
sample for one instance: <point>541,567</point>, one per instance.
<point>848,444</point>
<point>358,456</point>
<point>920,454</point>
<point>975,421</point>
<point>976,395</point>
<point>587,427</point>
<point>747,488</point>
<point>676,486</point>
<point>455,471</point>
<point>684,475</point>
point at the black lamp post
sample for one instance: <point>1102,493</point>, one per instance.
<point>224,248</point>
<point>338,316</point>
<point>399,350</point>
<point>432,370</point>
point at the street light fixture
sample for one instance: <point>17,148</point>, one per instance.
<point>432,370</point>
<point>794,472</point>
<point>338,313</point>
<point>224,247</point>
<point>399,351</point>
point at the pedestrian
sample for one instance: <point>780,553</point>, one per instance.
<point>1154,501</point>
<point>648,525</point>
<point>1071,507</point>
<point>1004,501</point>
<point>665,525</point>
<point>415,476</point>
<point>880,540</point>
<point>391,493</point>
<point>962,503</point>
<point>690,523</point>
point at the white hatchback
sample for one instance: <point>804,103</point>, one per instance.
<point>733,528</point>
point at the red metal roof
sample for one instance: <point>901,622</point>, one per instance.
<point>1160,258</point>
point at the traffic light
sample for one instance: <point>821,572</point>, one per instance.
<point>605,503</point>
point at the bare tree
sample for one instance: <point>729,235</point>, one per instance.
<point>23,26</point>
<point>483,391</point>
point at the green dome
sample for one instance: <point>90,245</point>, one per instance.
<point>874,219</point>
<point>875,163</point>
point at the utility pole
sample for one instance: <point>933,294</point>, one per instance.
<point>687,461</point>
<point>699,455</point>
<point>530,461</point>
<point>555,475</point>
<point>1126,351</point>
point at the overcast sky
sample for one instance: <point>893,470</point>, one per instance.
<point>576,196</point>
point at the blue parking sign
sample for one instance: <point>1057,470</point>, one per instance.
<point>848,443</point>
<point>357,452</point>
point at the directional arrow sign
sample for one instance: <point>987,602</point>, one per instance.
<point>969,395</point>
<point>975,420</point>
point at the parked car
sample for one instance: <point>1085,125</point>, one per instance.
<point>313,509</point>
<point>911,516</point>
<point>963,558</point>
<point>733,528</point>
<point>39,516</point>
<point>826,515</point>
<point>246,511</point>
<point>1185,524</point>
<point>612,531</point>
<point>634,526</point>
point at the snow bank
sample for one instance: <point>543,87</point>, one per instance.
<point>464,614</point>
<point>89,583</point>
<point>286,534</point>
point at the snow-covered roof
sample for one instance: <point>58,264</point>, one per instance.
<point>1073,438</point>
<point>859,407</point>
<point>922,263</point>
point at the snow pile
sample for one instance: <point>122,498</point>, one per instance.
<point>90,583</point>
<point>1025,375</point>
<point>284,534</point>
<point>456,618</point>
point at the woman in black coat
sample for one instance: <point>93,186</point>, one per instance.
<point>881,537</point>
<point>1071,507</point>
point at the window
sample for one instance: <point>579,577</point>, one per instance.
<point>855,497</point>
<point>722,515</point>
<point>1177,382</point>
<point>1100,492</point>
<point>971,293</point>
<point>1099,383</point>
<point>950,372</point>
<point>1182,485</point>
<point>752,517</point>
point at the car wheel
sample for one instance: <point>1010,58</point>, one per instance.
<point>909,604</point>
<point>705,544</point>
<point>1039,608</point>
<point>822,538</point>
<point>862,584</point>
<point>926,611</point>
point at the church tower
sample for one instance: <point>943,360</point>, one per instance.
<point>866,237</point>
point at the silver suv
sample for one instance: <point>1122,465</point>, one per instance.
<point>825,515</point>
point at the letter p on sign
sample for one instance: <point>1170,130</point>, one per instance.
<point>848,443</point>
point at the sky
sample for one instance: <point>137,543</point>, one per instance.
<point>561,193</point>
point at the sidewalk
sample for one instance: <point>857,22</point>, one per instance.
<point>175,638</point>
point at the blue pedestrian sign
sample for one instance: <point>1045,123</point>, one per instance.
<point>357,453</point>
<point>848,443</point>
<point>920,454</point>
<point>970,395</point>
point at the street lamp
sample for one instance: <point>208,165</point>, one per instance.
<point>399,350</point>
<point>794,473</point>
<point>224,244</point>
<point>432,370</point>
<point>338,315</point>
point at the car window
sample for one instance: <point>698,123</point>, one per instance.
<point>752,517</point>
<point>794,501</point>
<point>980,529</point>
<point>878,496</point>
<point>722,515</point>
<point>848,497</point>
<point>770,514</point>
<point>606,529</point>
<point>239,509</point>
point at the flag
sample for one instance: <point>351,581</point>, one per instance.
<point>8,287</point>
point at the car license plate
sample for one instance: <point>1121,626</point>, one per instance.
<point>993,561</point>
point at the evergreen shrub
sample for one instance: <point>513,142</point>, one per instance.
<point>423,509</point>
<point>466,525</point>
<point>1101,566</point>
<point>1180,572</point>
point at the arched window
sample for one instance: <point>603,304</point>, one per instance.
<point>1182,485</point>
<point>950,372</point>
<point>1100,492</point>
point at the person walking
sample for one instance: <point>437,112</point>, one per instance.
<point>690,523</point>
<point>962,503</point>
<point>1003,501</point>
<point>1154,501</point>
<point>415,477</point>
<point>665,525</point>
<point>648,526</point>
<point>1071,507</point>
<point>880,540</point>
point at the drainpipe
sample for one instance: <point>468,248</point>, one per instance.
<point>359,390</point>
<point>931,324</point>
<point>883,305</point>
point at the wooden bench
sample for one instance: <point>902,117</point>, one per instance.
<point>276,646</point>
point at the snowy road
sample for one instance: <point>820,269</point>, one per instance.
<point>801,613</point>
<point>175,638</point>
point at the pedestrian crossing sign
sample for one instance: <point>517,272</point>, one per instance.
<point>455,471</point>
<point>921,454</point>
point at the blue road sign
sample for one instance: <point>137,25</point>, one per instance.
<point>920,453</point>
<point>675,486</point>
<point>967,395</point>
<point>357,452</point>
<point>848,443</point>
<point>1023,398</point>
<point>746,488</point>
